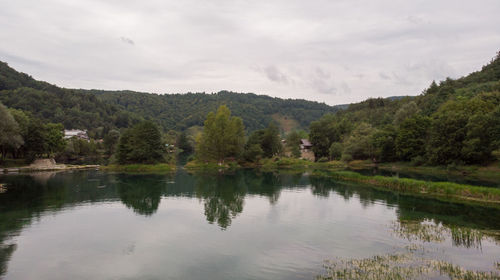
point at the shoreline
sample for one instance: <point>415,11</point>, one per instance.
<point>443,190</point>
<point>58,167</point>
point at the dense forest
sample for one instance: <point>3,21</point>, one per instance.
<point>100,111</point>
<point>453,122</point>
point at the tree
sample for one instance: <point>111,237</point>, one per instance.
<point>10,136</point>
<point>327,130</point>
<point>360,144</point>
<point>54,138</point>
<point>35,140</point>
<point>271,141</point>
<point>253,153</point>
<point>335,151</point>
<point>481,138</point>
<point>406,111</point>
<point>293,143</point>
<point>184,143</point>
<point>412,137</point>
<point>449,131</point>
<point>223,136</point>
<point>141,144</point>
<point>384,141</point>
<point>110,141</point>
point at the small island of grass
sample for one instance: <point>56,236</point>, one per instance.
<point>140,168</point>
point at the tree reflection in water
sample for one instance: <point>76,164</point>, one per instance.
<point>141,193</point>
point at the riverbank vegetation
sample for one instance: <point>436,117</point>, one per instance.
<point>447,190</point>
<point>140,168</point>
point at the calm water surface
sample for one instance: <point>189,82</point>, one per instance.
<point>246,225</point>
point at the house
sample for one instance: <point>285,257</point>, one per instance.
<point>305,144</point>
<point>82,134</point>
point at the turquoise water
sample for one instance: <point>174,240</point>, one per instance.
<point>246,225</point>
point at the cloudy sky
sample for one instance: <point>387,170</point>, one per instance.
<point>325,50</point>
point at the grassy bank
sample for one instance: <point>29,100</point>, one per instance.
<point>295,163</point>
<point>266,164</point>
<point>490,172</point>
<point>446,190</point>
<point>195,165</point>
<point>140,168</point>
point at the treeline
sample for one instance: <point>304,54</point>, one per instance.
<point>101,111</point>
<point>24,138</point>
<point>455,122</point>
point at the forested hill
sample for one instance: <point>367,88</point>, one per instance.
<point>453,121</point>
<point>180,111</point>
<point>104,110</point>
<point>382,111</point>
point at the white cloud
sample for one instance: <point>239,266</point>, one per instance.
<point>331,51</point>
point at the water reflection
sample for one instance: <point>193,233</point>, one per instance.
<point>223,198</point>
<point>142,194</point>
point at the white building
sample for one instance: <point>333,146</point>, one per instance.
<point>82,134</point>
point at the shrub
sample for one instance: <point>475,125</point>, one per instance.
<point>346,157</point>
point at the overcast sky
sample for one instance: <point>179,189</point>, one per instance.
<point>329,51</point>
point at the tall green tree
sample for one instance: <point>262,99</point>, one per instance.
<point>10,137</point>
<point>184,143</point>
<point>54,138</point>
<point>111,141</point>
<point>293,143</point>
<point>411,138</point>
<point>223,136</point>
<point>35,140</point>
<point>141,144</point>
<point>271,141</point>
<point>360,144</point>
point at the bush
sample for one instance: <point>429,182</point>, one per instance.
<point>323,159</point>
<point>417,161</point>
<point>335,150</point>
<point>346,157</point>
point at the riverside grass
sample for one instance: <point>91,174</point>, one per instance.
<point>140,168</point>
<point>447,190</point>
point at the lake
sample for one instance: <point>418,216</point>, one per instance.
<point>244,225</point>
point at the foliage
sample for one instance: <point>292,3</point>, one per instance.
<point>141,144</point>
<point>359,144</point>
<point>293,143</point>
<point>271,141</point>
<point>412,137</point>
<point>110,141</point>
<point>335,150</point>
<point>184,143</point>
<point>253,153</point>
<point>223,136</point>
<point>10,136</point>
<point>455,121</point>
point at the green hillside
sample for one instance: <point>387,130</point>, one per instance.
<point>455,121</point>
<point>99,111</point>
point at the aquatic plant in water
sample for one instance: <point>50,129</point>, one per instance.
<point>429,231</point>
<point>400,266</point>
